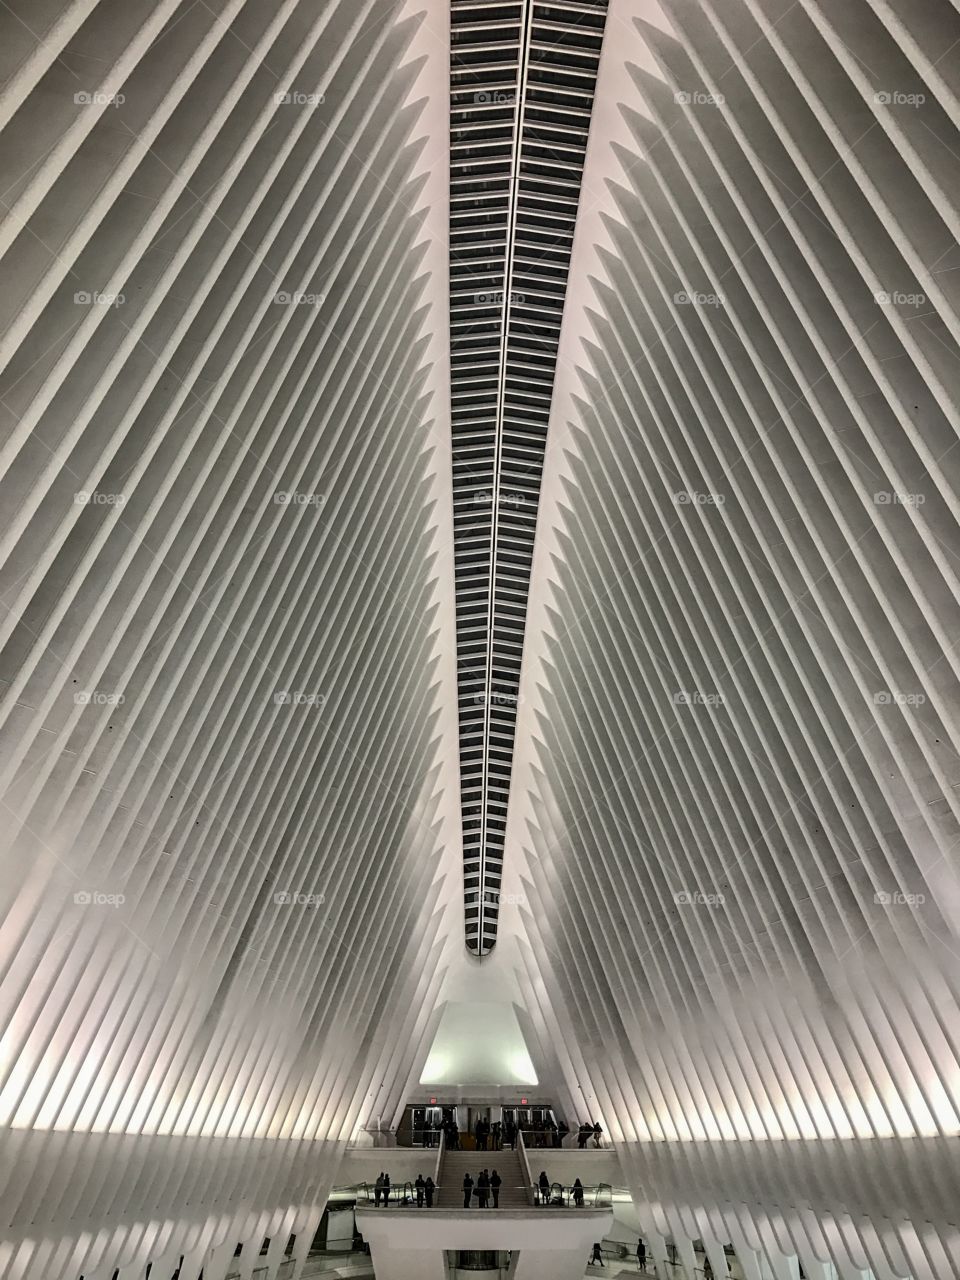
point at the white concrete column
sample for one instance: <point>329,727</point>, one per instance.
<point>817,1270</point>
<point>552,1264</point>
<point>301,1247</point>
<point>718,1259</point>
<point>408,1264</point>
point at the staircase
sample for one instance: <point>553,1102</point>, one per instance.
<point>513,1194</point>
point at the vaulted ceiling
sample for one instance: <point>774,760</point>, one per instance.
<point>481,470</point>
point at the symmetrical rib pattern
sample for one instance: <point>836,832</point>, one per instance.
<point>745,720</point>
<point>523,78</point>
<point>219,741</point>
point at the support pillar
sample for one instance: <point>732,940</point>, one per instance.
<point>408,1264</point>
<point>552,1264</point>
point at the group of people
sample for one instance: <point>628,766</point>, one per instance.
<point>424,1187</point>
<point>490,1136</point>
<point>588,1131</point>
<point>596,1258</point>
<point>486,1187</point>
<point>543,1187</point>
<point>547,1134</point>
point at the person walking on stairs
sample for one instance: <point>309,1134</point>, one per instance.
<point>495,1184</point>
<point>597,1256</point>
<point>419,1187</point>
<point>467,1190</point>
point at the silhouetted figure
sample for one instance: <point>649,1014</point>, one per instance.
<point>497,1134</point>
<point>495,1184</point>
<point>483,1188</point>
<point>429,1187</point>
<point>543,1182</point>
<point>386,1189</point>
<point>578,1194</point>
<point>378,1190</point>
<point>510,1133</point>
<point>642,1256</point>
<point>597,1256</point>
<point>419,1186</point>
<point>562,1130</point>
<point>597,1133</point>
<point>467,1190</point>
<point>582,1134</point>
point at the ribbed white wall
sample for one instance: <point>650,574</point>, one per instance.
<point>739,750</point>
<point>228,706</point>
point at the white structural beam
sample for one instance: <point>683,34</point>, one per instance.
<point>738,743</point>
<point>230,873</point>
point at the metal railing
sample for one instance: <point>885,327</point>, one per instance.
<point>559,1195</point>
<point>403,1195</point>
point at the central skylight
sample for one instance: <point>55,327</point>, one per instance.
<point>523,76</point>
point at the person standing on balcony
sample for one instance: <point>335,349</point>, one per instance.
<point>483,1188</point>
<point>543,1182</point>
<point>597,1134</point>
<point>419,1187</point>
<point>467,1190</point>
<point>429,1187</point>
<point>378,1190</point>
<point>495,1183</point>
<point>578,1194</point>
<point>386,1189</point>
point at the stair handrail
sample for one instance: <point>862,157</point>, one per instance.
<point>604,1189</point>
<point>524,1165</point>
<point>441,1148</point>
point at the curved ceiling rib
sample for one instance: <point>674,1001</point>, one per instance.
<point>523,76</point>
